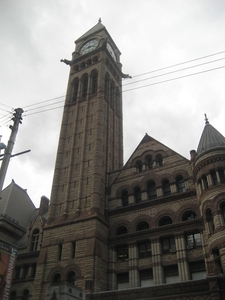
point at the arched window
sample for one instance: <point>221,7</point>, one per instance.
<point>107,81</point>
<point>151,190</point>
<point>35,240</point>
<point>189,215</point>
<point>214,177</point>
<point>124,198</point>
<point>210,220</point>
<point>71,277</point>
<point>222,208</point>
<point>57,277</point>
<point>205,182</point>
<point>166,187</point>
<point>139,166</point>
<point>112,93</point>
<point>26,294</point>
<point>137,194</point>
<point>143,225</point>
<point>149,162</point>
<point>13,295</point>
<point>94,82</point>
<point>75,89</point>
<point>159,160</point>
<point>121,230</point>
<point>84,86</point>
<point>180,184</point>
<point>165,221</point>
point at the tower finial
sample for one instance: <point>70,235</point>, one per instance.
<point>100,20</point>
<point>206,119</point>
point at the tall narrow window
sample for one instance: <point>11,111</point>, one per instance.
<point>151,190</point>
<point>222,208</point>
<point>210,220</point>
<point>205,182</point>
<point>59,254</point>
<point>180,184</point>
<point>124,198</point>
<point>107,80</point>
<point>75,90</point>
<point>166,187</point>
<point>214,177</point>
<point>84,85</point>
<point>221,175</point>
<point>149,162</point>
<point>122,253</point>
<point>94,82</point>
<point>35,240</point>
<point>193,240</point>
<point>139,166</point>
<point>159,160</point>
<point>112,92</point>
<point>137,194</point>
<point>71,277</point>
<point>73,249</point>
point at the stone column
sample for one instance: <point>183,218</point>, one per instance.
<point>183,267</point>
<point>133,263</point>
<point>112,276</point>
<point>157,261</point>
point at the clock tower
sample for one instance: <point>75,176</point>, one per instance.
<point>74,246</point>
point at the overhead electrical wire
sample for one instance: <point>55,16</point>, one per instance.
<point>130,83</point>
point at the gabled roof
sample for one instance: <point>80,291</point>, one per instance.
<point>16,205</point>
<point>98,27</point>
<point>210,140</point>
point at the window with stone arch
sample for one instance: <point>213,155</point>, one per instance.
<point>121,230</point>
<point>94,82</point>
<point>210,220</point>
<point>124,198</point>
<point>166,187</point>
<point>189,215</point>
<point>159,160</point>
<point>107,84</point>
<point>222,209</point>
<point>139,166</point>
<point>35,240</point>
<point>137,194</point>
<point>84,90</point>
<point>26,294</point>
<point>143,225</point>
<point>149,162</point>
<point>151,190</point>
<point>166,220</point>
<point>180,184</point>
<point>75,89</point>
<point>56,278</point>
<point>71,277</point>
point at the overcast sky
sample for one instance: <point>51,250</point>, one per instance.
<point>151,34</point>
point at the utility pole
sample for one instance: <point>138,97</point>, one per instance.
<point>8,151</point>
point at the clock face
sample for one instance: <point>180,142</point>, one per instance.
<point>111,51</point>
<point>89,46</point>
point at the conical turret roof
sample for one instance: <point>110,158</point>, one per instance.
<point>210,140</point>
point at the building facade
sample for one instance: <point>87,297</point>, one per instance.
<point>152,228</point>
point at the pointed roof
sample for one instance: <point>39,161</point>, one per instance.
<point>210,140</point>
<point>98,27</point>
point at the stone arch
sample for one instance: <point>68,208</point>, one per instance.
<point>161,214</point>
<point>55,270</point>
<point>123,187</point>
<point>75,268</point>
<point>185,208</point>
<point>119,223</point>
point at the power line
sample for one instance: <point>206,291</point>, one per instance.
<point>174,79</point>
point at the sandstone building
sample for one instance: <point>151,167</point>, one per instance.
<point>150,229</point>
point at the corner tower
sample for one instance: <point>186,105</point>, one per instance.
<point>75,240</point>
<point>91,140</point>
